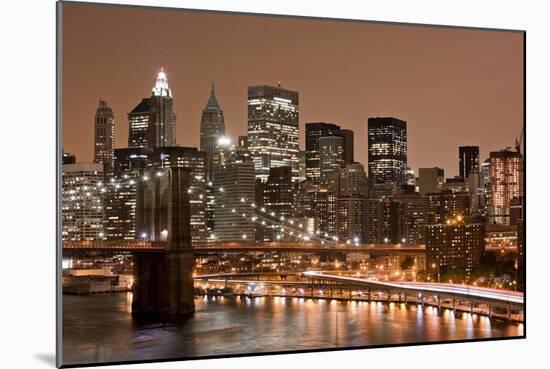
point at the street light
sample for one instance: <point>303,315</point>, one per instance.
<point>438,274</point>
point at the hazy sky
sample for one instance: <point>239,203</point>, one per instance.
<point>452,86</point>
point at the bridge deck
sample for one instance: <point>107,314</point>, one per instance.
<point>205,247</point>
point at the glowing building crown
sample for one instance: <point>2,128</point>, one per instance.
<point>161,86</point>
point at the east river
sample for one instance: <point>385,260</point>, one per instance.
<point>100,328</point>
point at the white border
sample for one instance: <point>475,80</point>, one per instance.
<point>27,307</point>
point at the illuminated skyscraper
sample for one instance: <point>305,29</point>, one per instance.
<point>273,129</point>
<point>104,134</point>
<point>152,122</point>
<point>506,182</point>
<point>82,204</point>
<point>468,160</point>
<point>212,128</point>
<point>387,141</point>
<point>234,186</point>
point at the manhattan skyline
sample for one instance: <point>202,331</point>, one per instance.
<point>467,82</point>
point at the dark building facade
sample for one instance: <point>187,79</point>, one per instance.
<point>314,132</point>
<point>468,160</point>
<point>279,198</point>
<point>455,244</point>
<point>212,128</point>
<point>387,146</point>
<point>104,135</point>
<point>273,121</point>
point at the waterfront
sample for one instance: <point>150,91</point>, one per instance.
<point>100,328</point>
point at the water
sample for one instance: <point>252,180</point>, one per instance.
<point>100,328</point>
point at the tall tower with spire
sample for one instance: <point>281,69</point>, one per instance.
<point>152,122</point>
<point>212,128</point>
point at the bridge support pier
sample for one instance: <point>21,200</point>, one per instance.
<point>368,294</point>
<point>471,307</point>
<point>438,303</point>
<point>389,296</point>
<point>454,306</point>
<point>509,312</point>
<point>163,283</point>
<point>490,311</point>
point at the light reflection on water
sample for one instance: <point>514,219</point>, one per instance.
<point>100,328</point>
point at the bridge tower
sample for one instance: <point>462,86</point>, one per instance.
<point>163,283</point>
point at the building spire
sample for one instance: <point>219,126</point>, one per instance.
<point>212,103</point>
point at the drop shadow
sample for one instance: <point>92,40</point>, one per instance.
<point>46,358</point>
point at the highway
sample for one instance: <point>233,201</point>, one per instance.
<point>450,290</point>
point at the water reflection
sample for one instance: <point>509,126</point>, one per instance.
<point>100,328</point>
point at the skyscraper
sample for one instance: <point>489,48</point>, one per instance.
<point>152,122</point>
<point>468,160</point>
<point>387,146</point>
<point>234,185</point>
<point>331,158</point>
<point>104,134</point>
<point>279,198</point>
<point>273,129</point>
<point>347,135</point>
<point>212,128</point>
<point>316,130</point>
<point>506,182</point>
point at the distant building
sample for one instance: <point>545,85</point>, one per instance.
<point>468,160</point>
<point>194,160</point>
<point>347,135</point>
<point>331,158</point>
<point>104,136</point>
<point>234,186</point>
<point>455,185</point>
<point>212,128</point>
<point>352,190</point>
<point>430,180</point>
<point>387,146</point>
<point>455,244</point>
<point>352,181</point>
<point>273,122</point>
<point>323,207</point>
<point>314,131</point>
<point>82,205</point>
<point>120,196</point>
<point>68,158</point>
<point>152,122</point>
<point>506,182</point>
<point>446,205</point>
<point>279,198</point>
